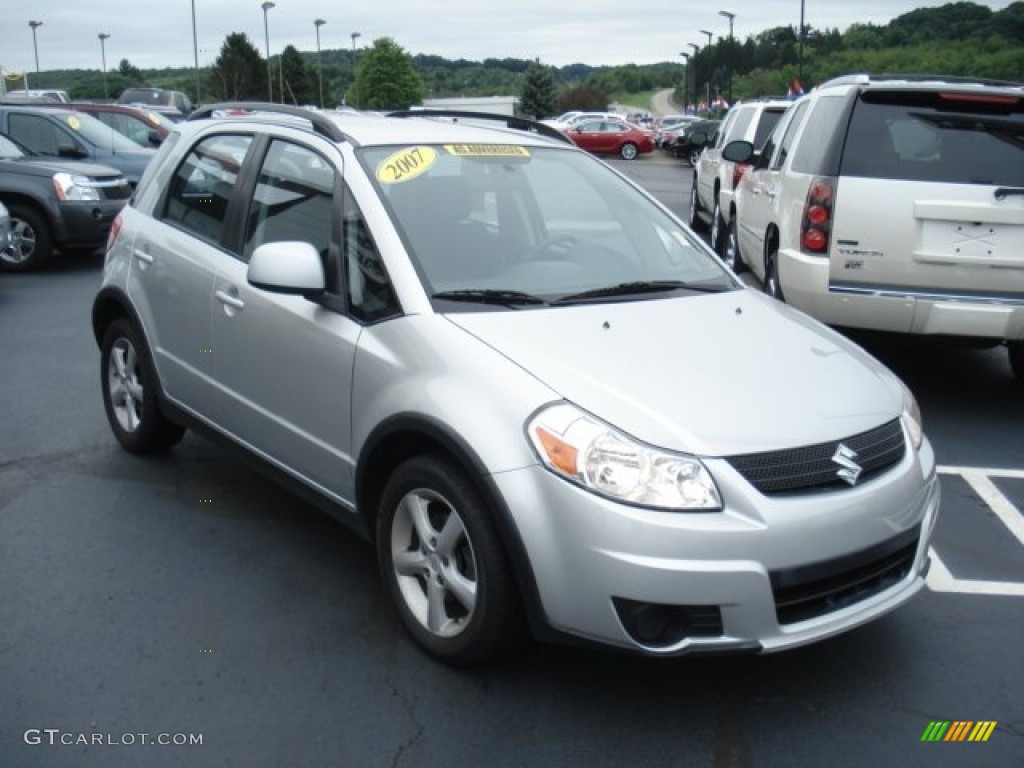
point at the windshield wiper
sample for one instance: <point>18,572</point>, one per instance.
<point>490,296</point>
<point>638,287</point>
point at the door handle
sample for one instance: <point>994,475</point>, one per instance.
<point>142,256</point>
<point>232,301</point>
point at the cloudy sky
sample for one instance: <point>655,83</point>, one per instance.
<point>158,33</point>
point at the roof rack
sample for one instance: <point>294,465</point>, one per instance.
<point>864,78</point>
<point>519,123</point>
<point>321,124</point>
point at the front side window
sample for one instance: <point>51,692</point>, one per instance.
<point>540,221</point>
<point>38,133</point>
<point>201,188</point>
<point>293,199</point>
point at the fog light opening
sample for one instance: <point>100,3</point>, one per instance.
<point>655,625</point>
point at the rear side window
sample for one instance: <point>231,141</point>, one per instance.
<point>817,152</point>
<point>765,125</point>
<point>931,138</point>
<point>201,188</point>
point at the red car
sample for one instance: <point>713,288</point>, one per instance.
<point>611,136</point>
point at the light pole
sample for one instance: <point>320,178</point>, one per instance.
<point>103,52</point>
<point>266,33</point>
<point>195,49</point>
<point>354,36</point>
<point>711,68</point>
<point>800,56</point>
<point>732,47</point>
<point>686,77</point>
<point>35,48</point>
<point>696,50</point>
<point>319,62</point>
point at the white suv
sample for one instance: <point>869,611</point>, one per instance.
<point>715,178</point>
<point>893,204</point>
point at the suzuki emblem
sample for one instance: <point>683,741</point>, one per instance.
<point>849,469</point>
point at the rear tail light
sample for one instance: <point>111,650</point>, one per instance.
<point>115,230</point>
<point>816,224</point>
<point>737,173</point>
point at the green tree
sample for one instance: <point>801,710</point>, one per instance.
<point>539,97</point>
<point>385,78</point>
<point>132,73</point>
<point>300,83</point>
<point>240,72</point>
<point>585,98</point>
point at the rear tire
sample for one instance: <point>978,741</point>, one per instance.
<point>444,565</point>
<point>31,244</point>
<point>628,151</point>
<point>131,392</point>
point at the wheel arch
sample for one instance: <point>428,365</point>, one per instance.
<point>404,436</point>
<point>111,304</point>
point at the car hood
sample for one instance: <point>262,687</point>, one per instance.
<point>47,166</point>
<point>713,375</point>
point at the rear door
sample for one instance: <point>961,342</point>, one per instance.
<point>930,200</point>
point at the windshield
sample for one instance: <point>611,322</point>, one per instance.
<point>97,133</point>
<point>494,221</point>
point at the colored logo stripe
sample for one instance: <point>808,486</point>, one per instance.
<point>958,730</point>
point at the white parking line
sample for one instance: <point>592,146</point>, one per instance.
<point>940,579</point>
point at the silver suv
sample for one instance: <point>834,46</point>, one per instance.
<point>893,204</point>
<point>520,377</point>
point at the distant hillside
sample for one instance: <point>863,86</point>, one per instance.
<point>960,38</point>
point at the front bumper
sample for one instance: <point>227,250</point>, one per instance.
<point>86,224</point>
<point>595,560</point>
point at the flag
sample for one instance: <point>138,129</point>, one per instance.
<point>721,103</point>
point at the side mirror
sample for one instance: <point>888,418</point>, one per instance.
<point>738,152</point>
<point>68,148</point>
<point>154,138</point>
<point>292,267</point>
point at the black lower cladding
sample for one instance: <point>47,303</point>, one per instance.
<point>813,590</point>
<point>813,467</point>
<point>657,625</point>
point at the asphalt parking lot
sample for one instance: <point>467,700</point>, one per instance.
<point>186,596</point>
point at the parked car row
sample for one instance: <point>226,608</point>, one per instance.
<point>885,203</point>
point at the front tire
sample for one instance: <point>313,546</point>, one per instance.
<point>31,245</point>
<point>1016,352</point>
<point>628,151</point>
<point>718,227</point>
<point>731,253</point>
<point>694,220</point>
<point>444,565</point>
<point>130,392</point>
<point>772,285</point>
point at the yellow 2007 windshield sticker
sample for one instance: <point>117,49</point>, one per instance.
<point>74,122</point>
<point>486,150</point>
<point>405,164</point>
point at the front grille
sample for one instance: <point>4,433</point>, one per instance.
<point>812,467</point>
<point>814,590</point>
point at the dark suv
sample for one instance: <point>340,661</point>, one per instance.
<point>54,204</point>
<point>71,135</point>
<point>173,104</point>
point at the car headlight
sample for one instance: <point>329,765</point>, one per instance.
<point>75,187</point>
<point>585,451</point>
<point>912,418</point>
